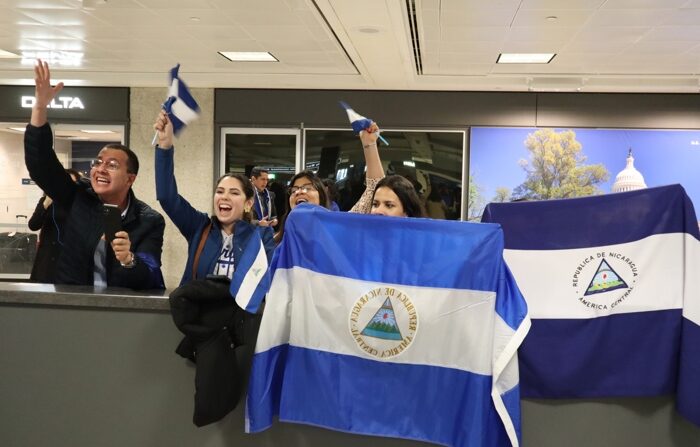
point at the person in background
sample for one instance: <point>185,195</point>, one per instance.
<point>264,199</point>
<point>331,194</point>
<point>306,187</point>
<point>132,259</point>
<point>223,236</point>
<point>48,219</point>
<point>396,196</point>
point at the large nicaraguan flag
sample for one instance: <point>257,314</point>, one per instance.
<point>612,283</point>
<point>393,327</point>
<point>180,105</point>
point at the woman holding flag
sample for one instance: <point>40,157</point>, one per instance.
<point>216,243</point>
<point>306,187</point>
<point>227,257</point>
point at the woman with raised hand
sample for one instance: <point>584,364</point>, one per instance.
<point>306,187</point>
<point>215,243</point>
<point>219,331</point>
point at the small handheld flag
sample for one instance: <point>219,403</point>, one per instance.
<point>358,122</point>
<point>180,106</point>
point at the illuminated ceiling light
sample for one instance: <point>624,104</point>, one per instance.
<point>97,131</point>
<point>18,129</point>
<point>248,56</point>
<point>55,58</point>
<point>7,55</point>
<point>525,58</point>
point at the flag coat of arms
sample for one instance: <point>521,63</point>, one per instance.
<point>612,284</point>
<point>394,327</point>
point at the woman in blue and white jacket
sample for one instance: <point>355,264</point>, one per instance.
<point>229,230</point>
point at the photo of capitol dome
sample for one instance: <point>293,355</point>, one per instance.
<point>629,179</point>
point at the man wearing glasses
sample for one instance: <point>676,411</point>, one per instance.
<point>132,258</point>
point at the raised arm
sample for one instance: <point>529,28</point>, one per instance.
<point>187,219</point>
<point>39,157</point>
<point>369,138</point>
<point>44,93</point>
<point>375,171</point>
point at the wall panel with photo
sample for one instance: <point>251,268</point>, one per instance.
<point>507,164</point>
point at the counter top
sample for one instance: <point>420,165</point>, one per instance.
<point>82,296</point>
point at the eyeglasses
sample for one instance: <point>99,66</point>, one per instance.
<point>111,165</point>
<point>303,188</point>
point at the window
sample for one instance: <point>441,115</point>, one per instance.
<point>278,150</point>
<point>432,160</point>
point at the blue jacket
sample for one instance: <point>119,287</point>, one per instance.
<point>192,222</point>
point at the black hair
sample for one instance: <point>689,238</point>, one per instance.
<point>322,198</point>
<point>315,181</point>
<point>132,161</point>
<point>257,170</point>
<point>247,190</point>
<point>406,193</point>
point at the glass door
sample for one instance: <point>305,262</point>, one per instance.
<point>277,150</point>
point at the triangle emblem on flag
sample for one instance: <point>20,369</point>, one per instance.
<point>383,324</point>
<point>605,280</point>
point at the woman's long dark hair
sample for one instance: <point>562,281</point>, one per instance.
<point>412,205</point>
<point>247,190</point>
<point>322,198</point>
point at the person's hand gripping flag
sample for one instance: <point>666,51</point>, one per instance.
<point>180,105</point>
<point>358,122</point>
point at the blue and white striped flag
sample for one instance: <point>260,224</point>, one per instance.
<point>251,279</point>
<point>358,122</point>
<point>393,327</point>
<point>181,107</point>
<point>613,289</point>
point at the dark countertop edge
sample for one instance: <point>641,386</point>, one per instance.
<point>80,296</point>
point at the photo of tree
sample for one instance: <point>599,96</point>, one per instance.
<point>508,164</point>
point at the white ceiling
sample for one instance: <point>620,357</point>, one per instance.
<point>601,45</point>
